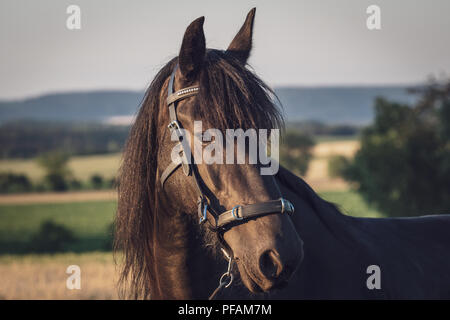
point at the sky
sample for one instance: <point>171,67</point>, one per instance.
<point>123,43</point>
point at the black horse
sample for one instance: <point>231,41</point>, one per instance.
<point>316,252</point>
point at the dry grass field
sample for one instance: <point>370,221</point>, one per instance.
<point>58,197</point>
<point>317,174</point>
<point>346,148</point>
<point>82,167</point>
<point>44,276</point>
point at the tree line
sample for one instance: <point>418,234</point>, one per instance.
<point>28,139</point>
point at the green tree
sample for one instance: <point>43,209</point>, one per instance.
<point>296,151</point>
<point>403,165</point>
<point>57,171</point>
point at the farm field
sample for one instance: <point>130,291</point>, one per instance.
<point>58,197</point>
<point>44,276</point>
<point>327,138</point>
<point>89,216</point>
<point>351,203</point>
<point>317,175</point>
<point>83,167</point>
<point>90,223</point>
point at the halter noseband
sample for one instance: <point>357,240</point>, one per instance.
<point>222,220</point>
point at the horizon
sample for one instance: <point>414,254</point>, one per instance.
<point>124,90</point>
<point>330,104</point>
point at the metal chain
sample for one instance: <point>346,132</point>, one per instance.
<point>226,279</point>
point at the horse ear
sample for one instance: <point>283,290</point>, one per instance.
<point>242,43</point>
<point>193,48</point>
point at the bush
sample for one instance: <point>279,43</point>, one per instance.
<point>337,166</point>
<point>52,237</point>
<point>56,182</point>
<point>57,172</point>
<point>11,183</point>
<point>296,151</point>
<point>96,181</point>
<point>75,184</point>
<point>403,166</point>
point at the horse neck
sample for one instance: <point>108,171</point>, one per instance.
<point>183,267</point>
<point>316,219</point>
<point>333,227</point>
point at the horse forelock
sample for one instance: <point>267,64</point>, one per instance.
<point>231,96</point>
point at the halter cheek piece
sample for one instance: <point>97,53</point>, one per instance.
<point>219,222</point>
<point>224,219</point>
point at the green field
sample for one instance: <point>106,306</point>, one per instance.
<point>42,276</point>
<point>351,203</point>
<point>90,221</point>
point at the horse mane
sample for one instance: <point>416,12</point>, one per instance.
<point>230,96</point>
<point>136,191</point>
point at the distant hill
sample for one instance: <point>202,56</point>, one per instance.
<point>337,105</point>
<point>330,105</point>
<point>73,106</point>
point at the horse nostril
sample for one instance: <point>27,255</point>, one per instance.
<point>270,264</point>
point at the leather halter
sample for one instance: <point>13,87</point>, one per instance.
<point>220,221</point>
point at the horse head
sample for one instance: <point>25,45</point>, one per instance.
<point>238,209</point>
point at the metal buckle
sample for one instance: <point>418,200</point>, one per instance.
<point>233,213</point>
<point>175,125</point>
<point>286,206</point>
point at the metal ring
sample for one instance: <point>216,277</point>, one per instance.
<point>222,282</point>
<point>233,213</point>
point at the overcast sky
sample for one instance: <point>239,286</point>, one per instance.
<point>122,44</point>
